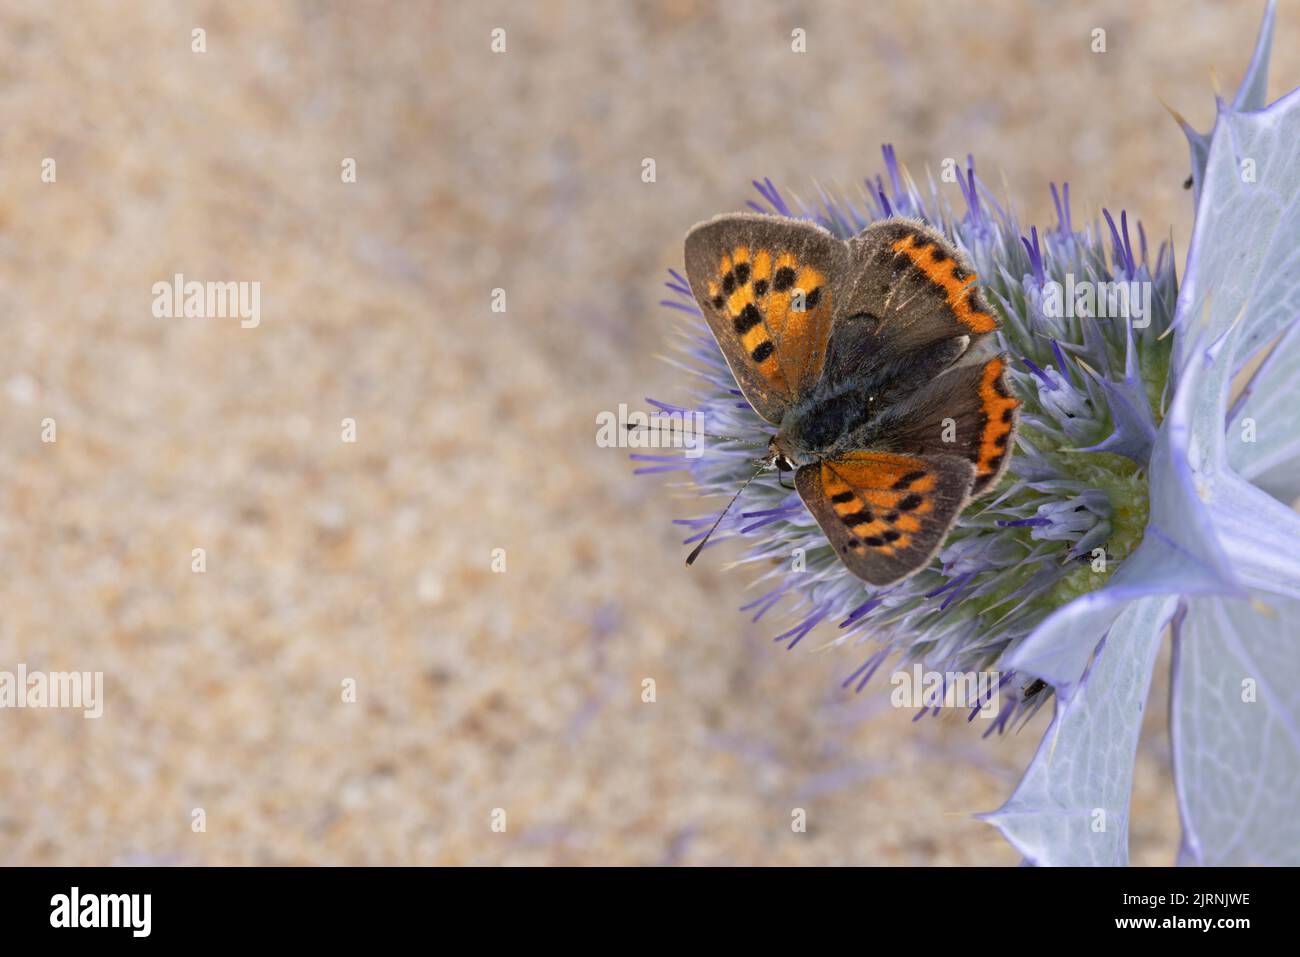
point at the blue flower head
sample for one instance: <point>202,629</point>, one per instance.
<point>1072,504</point>
<point>1127,506</point>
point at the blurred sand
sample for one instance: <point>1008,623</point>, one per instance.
<point>328,561</point>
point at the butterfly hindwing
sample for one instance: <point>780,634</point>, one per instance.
<point>967,411</point>
<point>767,287</point>
<point>999,417</point>
<point>885,514</point>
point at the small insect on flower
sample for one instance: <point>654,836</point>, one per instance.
<point>874,357</point>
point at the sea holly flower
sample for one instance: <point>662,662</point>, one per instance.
<point>1073,503</point>
<point>1135,499</point>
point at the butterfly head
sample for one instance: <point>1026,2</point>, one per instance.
<point>777,457</point>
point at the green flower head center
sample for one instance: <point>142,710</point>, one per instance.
<point>1123,483</point>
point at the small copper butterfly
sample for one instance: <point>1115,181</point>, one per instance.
<point>869,356</point>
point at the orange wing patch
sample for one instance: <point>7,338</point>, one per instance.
<point>879,498</point>
<point>736,293</point>
<point>940,268</point>
<point>999,419</point>
<point>780,311</point>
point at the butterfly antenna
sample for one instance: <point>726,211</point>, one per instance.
<point>763,465</point>
<point>703,435</point>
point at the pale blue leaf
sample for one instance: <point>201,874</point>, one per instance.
<point>1244,260</point>
<point>1253,540</point>
<point>1263,435</point>
<point>1253,92</point>
<point>1237,760</point>
<point>1198,148</point>
<point>1260,536</point>
<point>1251,95</point>
<point>1072,806</point>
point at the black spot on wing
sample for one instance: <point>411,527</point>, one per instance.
<point>749,317</point>
<point>907,480</point>
<point>859,517</point>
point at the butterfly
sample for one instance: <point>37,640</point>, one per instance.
<point>870,356</point>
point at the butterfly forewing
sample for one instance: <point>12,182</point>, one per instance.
<point>916,284</point>
<point>885,514</point>
<point>767,287</point>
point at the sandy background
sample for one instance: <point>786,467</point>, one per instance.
<point>370,561</point>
